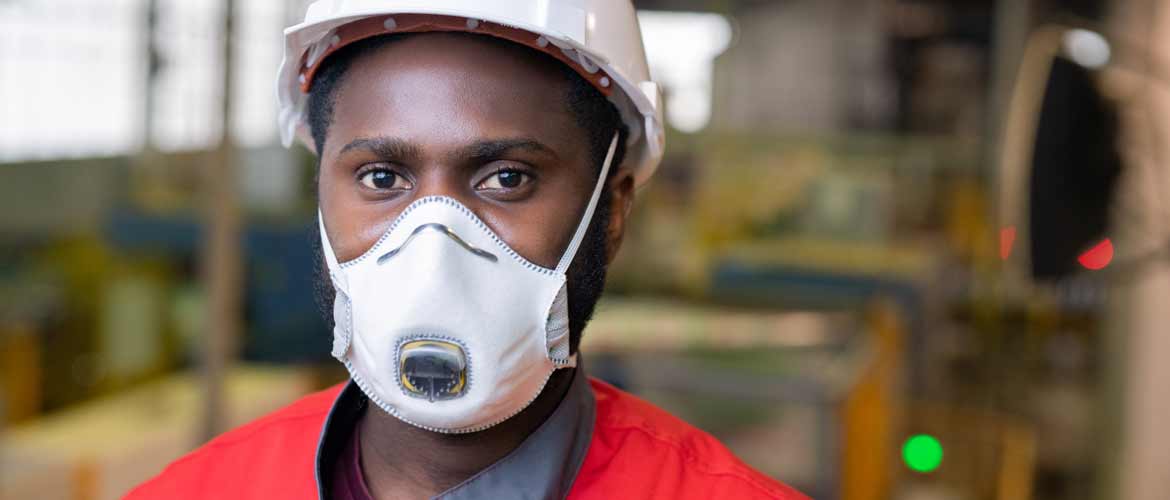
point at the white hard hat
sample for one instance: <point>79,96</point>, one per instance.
<point>600,39</point>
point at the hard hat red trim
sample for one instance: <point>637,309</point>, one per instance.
<point>421,23</point>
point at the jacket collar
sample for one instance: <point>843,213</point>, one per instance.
<point>543,466</point>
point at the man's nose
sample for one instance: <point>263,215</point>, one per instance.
<point>445,180</point>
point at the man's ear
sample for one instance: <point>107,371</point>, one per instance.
<point>621,188</point>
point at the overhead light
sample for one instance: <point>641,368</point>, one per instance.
<point>681,48</point>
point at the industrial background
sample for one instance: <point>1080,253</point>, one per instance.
<point>898,249</point>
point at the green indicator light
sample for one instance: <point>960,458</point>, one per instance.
<point>922,453</point>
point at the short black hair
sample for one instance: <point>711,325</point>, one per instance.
<point>598,119</point>
<point>596,115</point>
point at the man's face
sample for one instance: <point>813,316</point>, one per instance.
<point>455,116</point>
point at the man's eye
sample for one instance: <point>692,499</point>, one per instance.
<point>504,179</point>
<point>383,179</point>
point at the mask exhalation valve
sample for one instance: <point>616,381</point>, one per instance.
<point>432,369</point>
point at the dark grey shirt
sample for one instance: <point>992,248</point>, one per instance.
<point>542,467</point>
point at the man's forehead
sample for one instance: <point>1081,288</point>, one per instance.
<point>461,58</point>
<point>454,88</point>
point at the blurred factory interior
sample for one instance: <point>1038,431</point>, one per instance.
<point>898,249</point>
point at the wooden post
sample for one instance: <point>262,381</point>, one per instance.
<point>222,266</point>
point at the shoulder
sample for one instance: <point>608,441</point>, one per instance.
<point>275,452</point>
<point>640,449</point>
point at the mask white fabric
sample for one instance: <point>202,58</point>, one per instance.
<point>441,294</point>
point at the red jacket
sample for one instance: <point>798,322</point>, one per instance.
<point>637,451</point>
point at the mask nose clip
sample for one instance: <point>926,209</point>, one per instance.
<point>433,370</point>
<point>441,229</point>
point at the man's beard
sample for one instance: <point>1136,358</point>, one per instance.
<point>585,277</point>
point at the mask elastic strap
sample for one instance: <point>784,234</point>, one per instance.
<point>583,226</point>
<point>327,248</point>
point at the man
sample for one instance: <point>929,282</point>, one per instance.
<point>476,170</point>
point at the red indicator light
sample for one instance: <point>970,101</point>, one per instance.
<point>1097,257</point>
<point>1007,237</point>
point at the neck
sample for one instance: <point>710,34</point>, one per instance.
<point>403,461</point>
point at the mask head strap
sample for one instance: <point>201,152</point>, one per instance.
<point>583,226</point>
<point>327,250</point>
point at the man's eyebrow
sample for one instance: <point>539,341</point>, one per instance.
<point>491,149</point>
<point>385,147</point>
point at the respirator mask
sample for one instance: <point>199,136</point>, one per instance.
<point>442,325</point>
